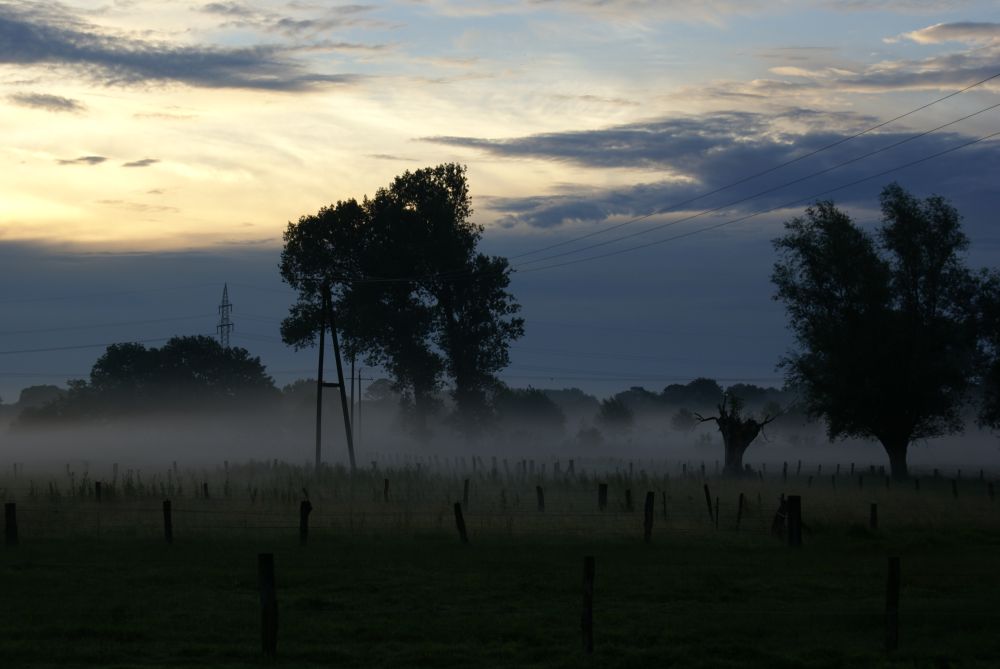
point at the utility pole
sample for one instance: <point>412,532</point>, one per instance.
<point>225,326</point>
<point>326,316</point>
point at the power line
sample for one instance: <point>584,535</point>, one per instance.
<point>97,326</point>
<point>81,296</point>
<point>763,211</point>
<point>757,174</point>
<point>766,191</point>
<point>82,346</point>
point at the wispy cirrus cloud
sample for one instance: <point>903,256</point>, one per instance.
<point>31,35</point>
<point>145,162</point>
<point>48,102</point>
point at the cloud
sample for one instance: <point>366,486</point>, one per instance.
<point>966,31</point>
<point>145,162</point>
<point>718,152</point>
<point>140,207</point>
<point>84,160</point>
<point>53,103</point>
<point>43,36</point>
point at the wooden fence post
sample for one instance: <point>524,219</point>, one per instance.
<point>794,520</point>
<point>168,522</point>
<point>97,491</point>
<point>873,516</point>
<point>892,606</point>
<point>663,496</point>
<point>305,508</point>
<point>602,496</point>
<point>10,523</point>
<point>204,490</point>
<point>385,490</point>
<point>540,494</point>
<point>739,512</point>
<point>708,501</point>
<point>587,619</point>
<point>268,605</point>
<point>647,523</point>
<point>460,523</point>
<point>628,499</point>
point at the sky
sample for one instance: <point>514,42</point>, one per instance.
<point>155,150</point>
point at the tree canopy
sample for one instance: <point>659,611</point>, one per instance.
<point>185,374</point>
<point>410,291</point>
<point>885,326</point>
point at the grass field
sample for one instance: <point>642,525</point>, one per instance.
<point>387,583</point>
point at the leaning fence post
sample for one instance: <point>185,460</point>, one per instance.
<point>460,523</point>
<point>587,620</point>
<point>892,605</point>
<point>305,508</point>
<point>708,501</point>
<point>647,524</point>
<point>168,522</point>
<point>10,526</point>
<point>794,520</point>
<point>602,496</point>
<point>268,604</point>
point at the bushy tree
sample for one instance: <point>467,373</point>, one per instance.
<point>886,335</point>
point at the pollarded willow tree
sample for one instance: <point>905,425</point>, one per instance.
<point>886,324</point>
<point>411,291</point>
<point>738,431</point>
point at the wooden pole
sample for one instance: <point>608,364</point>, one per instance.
<point>794,520</point>
<point>460,523</point>
<point>305,508</point>
<point>319,387</point>
<point>10,523</point>
<point>892,606</point>
<point>708,501</point>
<point>647,524</point>
<point>739,512</point>
<point>540,494</point>
<point>268,605</point>
<point>168,522</point>
<point>602,496</point>
<point>587,619</point>
<point>340,377</point>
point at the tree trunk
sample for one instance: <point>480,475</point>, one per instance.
<point>896,450</point>
<point>734,458</point>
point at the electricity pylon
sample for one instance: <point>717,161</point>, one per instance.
<point>327,317</point>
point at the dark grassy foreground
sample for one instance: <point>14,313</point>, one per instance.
<point>692,599</point>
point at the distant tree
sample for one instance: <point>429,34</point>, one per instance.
<point>186,374</point>
<point>574,402</point>
<point>683,420</point>
<point>33,397</point>
<point>700,393</point>
<point>590,438</point>
<point>738,431</point>
<point>529,408</point>
<point>887,339</point>
<point>640,401</point>
<point>614,415</point>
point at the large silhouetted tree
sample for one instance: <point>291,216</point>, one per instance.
<point>411,292</point>
<point>886,335</point>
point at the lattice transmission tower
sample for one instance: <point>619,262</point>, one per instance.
<point>225,326</point>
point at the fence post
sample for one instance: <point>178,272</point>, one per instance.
<point>168,522</point>
<point>10,526</point>
<point>268,605</point>
<point>892,606</point>
<point>873,516</point>
<point>540,494</point>
<point>385,490</point>
<point>663,496</point>
<point>587,619</point>
<point>794,520</point>
<point>460,523</point>
<point>708,501</point>
<point>305,508</point>
<point>628,499</point>
<point>602,496</point>
<point>97,491</point>
<point>647,524</point>
<point>739,512</point>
